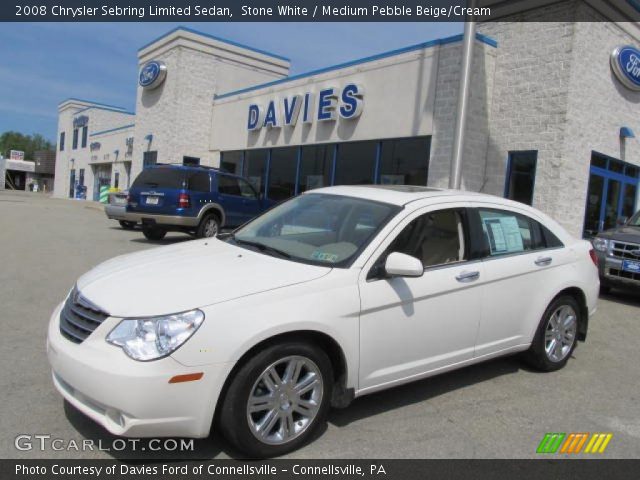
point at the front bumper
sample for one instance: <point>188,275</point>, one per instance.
<point>611,273</point>
<point>131,398</point>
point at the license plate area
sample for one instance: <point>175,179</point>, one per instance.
<point>631,266</point>
<point>151,200</point>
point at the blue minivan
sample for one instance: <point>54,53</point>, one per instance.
<point>193,199</point>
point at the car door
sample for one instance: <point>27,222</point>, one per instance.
<point>412,326</point>
<point>230,198</point>
<point>520,272</point>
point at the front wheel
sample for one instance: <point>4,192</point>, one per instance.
<point>277,400</point>
<point>556,337</point>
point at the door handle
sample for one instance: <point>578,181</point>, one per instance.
<point>542,261</point>
<point>467,276</point>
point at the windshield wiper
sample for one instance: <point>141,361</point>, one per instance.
<point>260,246</point>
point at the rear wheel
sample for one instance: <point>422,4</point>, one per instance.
<point>277,400</point>
<point>208,227</point>
<point>127,225</point>
<point>556,337</point>
<point>154,233</point>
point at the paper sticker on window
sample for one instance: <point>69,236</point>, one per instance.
<point>324,256</point>
<point>504,235</point>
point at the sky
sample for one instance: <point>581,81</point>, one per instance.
<point>43,64</point>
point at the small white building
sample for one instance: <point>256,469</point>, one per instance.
<point>551,122</point>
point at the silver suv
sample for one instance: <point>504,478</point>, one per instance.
<point>618,253</point>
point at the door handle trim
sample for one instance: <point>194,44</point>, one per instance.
<point>468,276</point>
<point>543,261</point>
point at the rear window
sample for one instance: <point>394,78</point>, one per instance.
<point>160,178</point>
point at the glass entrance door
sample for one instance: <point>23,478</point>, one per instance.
<point>611,195</point>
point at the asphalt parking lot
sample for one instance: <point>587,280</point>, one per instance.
<point>498,409</point>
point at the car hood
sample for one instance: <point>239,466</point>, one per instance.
<point>187,275</point>
<point>622,234</point>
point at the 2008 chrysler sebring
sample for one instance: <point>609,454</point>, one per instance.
<point>334,294</point>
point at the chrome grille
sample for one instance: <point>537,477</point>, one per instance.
<point>79,318</point>
<point>624,249</point>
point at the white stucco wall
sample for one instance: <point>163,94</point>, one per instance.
<point>100,119</point>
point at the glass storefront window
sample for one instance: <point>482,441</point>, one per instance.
<point>232,162</point>
<point>355,163</point>
<point>521,176</point>
<point>255,167</point>
<point>282,173</point>
<point>628,201</point>
<point>404,161</point>
<point>315,167</point>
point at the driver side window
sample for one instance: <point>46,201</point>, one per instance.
<point>436,238</point>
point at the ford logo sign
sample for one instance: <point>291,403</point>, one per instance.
<point>625,63</point>
<point>152,74</point>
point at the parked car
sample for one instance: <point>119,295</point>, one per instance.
<point>334,294</point>
<point>193,199</point>
<point>116,209</point>
<point>618,251</point>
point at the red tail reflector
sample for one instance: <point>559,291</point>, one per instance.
<point>594,257</point>
<point>183,200</point>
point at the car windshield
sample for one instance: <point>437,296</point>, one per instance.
<point>635,220</point>
<point>316,228</point>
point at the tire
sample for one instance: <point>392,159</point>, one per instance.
<point>154,233</point>
<point>547,353</point>
<point>127,225</point>
<point>209,226</point>
<point>280,405</point>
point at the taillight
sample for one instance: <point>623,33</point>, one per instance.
<point>594,257</point>
<point>129,198</point>
<point>183,200</point>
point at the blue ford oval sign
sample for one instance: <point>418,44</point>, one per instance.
<point>152,74</point>
<point>625,62</point>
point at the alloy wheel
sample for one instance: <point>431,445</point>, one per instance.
<point>285,400</point>
<point>210,228</point>
<point>560,334</point>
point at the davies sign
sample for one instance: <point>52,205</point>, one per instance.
<point>329,103</point>
<point>625,63</point>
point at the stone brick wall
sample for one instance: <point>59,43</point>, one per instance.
<point>444,115</point>
<point>554,92</point>
<point>178,112</point>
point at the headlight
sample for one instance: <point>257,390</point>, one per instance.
<point>601,244</point>
<point>155,337</point>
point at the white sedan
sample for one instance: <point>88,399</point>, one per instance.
<point>334,294</point>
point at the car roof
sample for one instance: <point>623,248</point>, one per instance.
<point>181,167</point>
<point>403,194</point>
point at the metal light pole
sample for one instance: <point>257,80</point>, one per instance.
<point>455,174</point>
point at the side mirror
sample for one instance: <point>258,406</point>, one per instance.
<point>622,220</point>
<point>402,265</point>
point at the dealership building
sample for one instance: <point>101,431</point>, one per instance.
<point>553,119</point>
